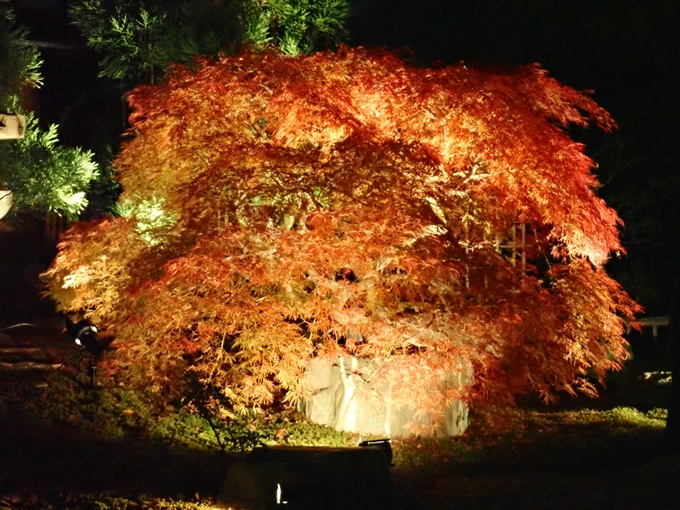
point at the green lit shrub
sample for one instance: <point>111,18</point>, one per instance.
<point>106,412</point>
<point>237,434</point>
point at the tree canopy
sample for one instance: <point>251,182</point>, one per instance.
<point>281,208</point>
<point>41,174</point>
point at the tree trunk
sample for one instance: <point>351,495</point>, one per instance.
<point>673,424</point>
<point>347,414</point>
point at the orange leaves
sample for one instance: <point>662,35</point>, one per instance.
<point>344,203</point>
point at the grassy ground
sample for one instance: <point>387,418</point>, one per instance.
<point>63,446</point>
<point>526,459</point>
<point>551,459</point>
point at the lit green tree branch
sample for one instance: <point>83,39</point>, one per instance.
<point>140,40</point>
<point>41,174</point>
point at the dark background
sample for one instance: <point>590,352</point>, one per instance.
<point>625,51</point>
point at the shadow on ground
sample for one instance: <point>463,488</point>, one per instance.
<point>38,459</point>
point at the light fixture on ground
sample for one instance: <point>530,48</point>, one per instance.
<point>309,478</point>
<point>84,334</point>
<point>382,445</point>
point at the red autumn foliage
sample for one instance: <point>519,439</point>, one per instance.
<point>281,208</point>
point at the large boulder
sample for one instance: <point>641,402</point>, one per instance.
<point>346,398</point>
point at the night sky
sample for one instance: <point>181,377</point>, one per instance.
<point>626,51</point>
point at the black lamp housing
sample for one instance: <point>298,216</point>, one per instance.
<point>383,445</point>
<point>84,334</point>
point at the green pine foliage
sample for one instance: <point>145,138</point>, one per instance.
<point>44,175</point>
<point>139,41</point>
<point>19,62</point>
<point>41,174</point>
<point>296,26</point>
<point>136,42</point>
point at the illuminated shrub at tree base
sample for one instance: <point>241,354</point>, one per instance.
<point>279,210</point>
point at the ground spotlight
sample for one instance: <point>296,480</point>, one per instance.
<point>383,445</point>
<point>84,334</point>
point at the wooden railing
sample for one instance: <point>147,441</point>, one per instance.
<point>652,322</point>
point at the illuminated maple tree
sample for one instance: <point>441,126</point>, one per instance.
<point>282,208</point>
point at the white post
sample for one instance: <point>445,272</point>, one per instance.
<point>6,201</point>
<point>12,127</point>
